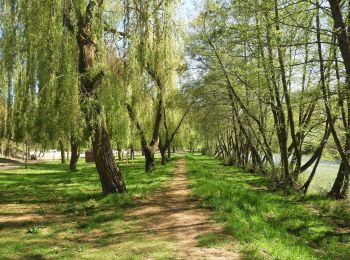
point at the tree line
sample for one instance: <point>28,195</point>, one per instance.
<point>258,83</point>
<point>98,72</point>
<point>274,84</point>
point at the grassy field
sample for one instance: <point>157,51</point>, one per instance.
<point>269,225</point>
<point>47,212</point>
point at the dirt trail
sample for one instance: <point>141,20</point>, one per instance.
<point>173,216</point>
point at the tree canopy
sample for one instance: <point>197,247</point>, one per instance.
<point>260,84</point>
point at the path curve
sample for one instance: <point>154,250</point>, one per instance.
<point>172,215</point>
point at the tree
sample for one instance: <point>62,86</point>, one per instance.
<point>72,33</point>
<point>153,36</point>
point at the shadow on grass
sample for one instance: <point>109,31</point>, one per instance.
<point>267,222</point>
<point>46,205</point>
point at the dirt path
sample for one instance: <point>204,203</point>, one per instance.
<point>9,164</point>
<point>173,216</point>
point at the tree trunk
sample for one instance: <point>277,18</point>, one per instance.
<point>132,153</point>
<point>63,155</point>
<point>309,180</point>
<point>108,170</point>
<point>338,183</point>
<point>90,80</point>
<point>119,153</point>
<point>288,105</point>
<point>341,184</point>
<point>75,154</point>
<point>150,160</point>
<point>164,157</point>
<point>148,150</point>
<point>345,190</point>
<point>26,159</point>
<point>169,152</point>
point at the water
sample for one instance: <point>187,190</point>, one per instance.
<point>325,174</point>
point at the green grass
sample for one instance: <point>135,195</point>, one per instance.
<point>268,225</point>
<point>216,240</point>
<point>47,212</point>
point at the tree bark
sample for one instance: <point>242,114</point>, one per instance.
<point>75,154</point>
<point>341,184</point>
<point>287,98</point>
<point>148,150</point>
<point>164,147</point>
<point>338,183</point>
<point>26,159</point>
<point>164,156</point>
<point>309,180</point>
<point>150,159</point>
<point>108,170</point>
<point>169,152</point>
<point>63,155</point>
<point>132,152</point>
<point>120,158</point>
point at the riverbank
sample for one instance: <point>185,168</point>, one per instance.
<point>270,225</point>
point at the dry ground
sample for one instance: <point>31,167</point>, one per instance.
<point>173,216</point>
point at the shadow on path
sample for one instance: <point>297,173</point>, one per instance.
<point>173,216</point>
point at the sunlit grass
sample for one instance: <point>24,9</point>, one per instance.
<point>47,211</point>
<point>269,225</point>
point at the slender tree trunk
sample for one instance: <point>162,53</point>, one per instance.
<point>164,156</point>
<point>120,158</point>
<point>288,102</point>
<point>169,152</point>
<point>63,155</point>
<point>341,185</point>
<point>26,159</point>
<point>75,154</point>
<point>309,180</point>
<point>132,152</point>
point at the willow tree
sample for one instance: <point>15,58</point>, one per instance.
<point>153,46</point>
<point>87,26</point>
<point>174,115</point>
<point>8,43</point>
<point>63,54</point>
<point>43,74</point>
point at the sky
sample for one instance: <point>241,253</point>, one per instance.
<point>190,8</point>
